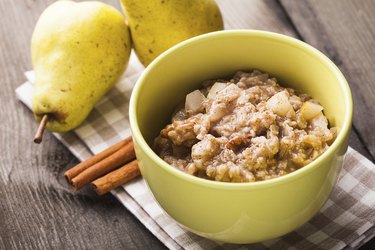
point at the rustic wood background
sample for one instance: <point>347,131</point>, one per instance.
<point>37,208</point>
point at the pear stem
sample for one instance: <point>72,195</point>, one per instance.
<point>39,134</point>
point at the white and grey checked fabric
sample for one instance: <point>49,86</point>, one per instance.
<point>346,221</point>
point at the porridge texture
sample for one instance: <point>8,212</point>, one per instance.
<point>244,130</point>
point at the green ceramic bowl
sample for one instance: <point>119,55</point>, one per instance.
<point>239,212</point>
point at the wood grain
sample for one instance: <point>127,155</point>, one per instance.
<point>39,211</point>
<point>260,15</point>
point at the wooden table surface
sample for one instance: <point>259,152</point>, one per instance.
<point>37,208</point>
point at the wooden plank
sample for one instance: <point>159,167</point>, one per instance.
<point>260,15</point>
<point>357,143</point>
<point>344,30</point>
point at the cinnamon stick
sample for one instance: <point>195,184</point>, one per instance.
<point>116,178</point>
<point>121,156</point>
<point>73,172</point>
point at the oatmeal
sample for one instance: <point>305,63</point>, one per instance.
<point>243,130</point>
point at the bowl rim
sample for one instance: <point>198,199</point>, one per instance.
<point>344,130</point>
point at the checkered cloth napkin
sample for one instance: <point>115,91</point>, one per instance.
<point>347,220</point>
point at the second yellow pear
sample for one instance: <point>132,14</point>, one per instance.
<point>158,25</point>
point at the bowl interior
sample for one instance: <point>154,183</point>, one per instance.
<point>181,69</point>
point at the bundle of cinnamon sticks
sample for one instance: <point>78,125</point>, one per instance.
<point>107,170</point>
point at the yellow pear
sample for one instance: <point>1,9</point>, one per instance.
<point>158,25</point>
<point>79,50</point>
